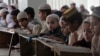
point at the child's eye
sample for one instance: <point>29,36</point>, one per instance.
<point>51,22</point>
<point>94,24</point>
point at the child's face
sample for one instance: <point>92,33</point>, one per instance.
<point>42,15</point>
<point>87,34</point>
<point>52,23</point>
<point>23,23</point>
<point>95,25</point>
<point>66,30</point>
<point>62,23</point>
<point>64,27</point>
<point>14,18</point>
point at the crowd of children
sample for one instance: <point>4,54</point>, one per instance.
<point>68,25</point>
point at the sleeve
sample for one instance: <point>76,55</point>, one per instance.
<point>72,38</point>
<point>36,29</point>
<point>44,29</point>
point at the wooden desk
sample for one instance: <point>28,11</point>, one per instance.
<point>44,48</point>
<point>26,47</point>
<point>55,49</point>
<point>5,37</point>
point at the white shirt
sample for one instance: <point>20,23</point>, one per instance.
<point>10,22</point>
<point>3,22</point>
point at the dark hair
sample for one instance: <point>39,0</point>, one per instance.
<point>73,4</point>
<point>77,17</point>
<point>48,11</point>
<point>15,12</point>
<point>58,13</point>
<point>65,7</point>
<point>13,7</point>
<point>30,10</point>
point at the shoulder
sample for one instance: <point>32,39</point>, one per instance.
<point>35,21</point>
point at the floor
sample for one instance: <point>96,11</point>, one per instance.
<point>5,52</point>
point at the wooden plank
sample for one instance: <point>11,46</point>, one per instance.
<point>26,47</point>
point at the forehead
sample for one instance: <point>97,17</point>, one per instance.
<point>94,19</point>
<point>51,19</point>
<point>23,19</point>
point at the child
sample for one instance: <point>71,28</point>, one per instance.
<point>10,22</point>
<point>14,14</point>
<point>44,11</point>
<point>54,32</point>
<point>86,36</point>
<point>37,26</point>
<point>73,20</point>
<point>30,12</point>
<point>95,27</point>
<point>65,30</point>
<point>3,14</point>
<point>23,22</point>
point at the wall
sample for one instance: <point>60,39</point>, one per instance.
<point>57,4</point>
<point>92,3</point>
<point>22,4</point>
<point>78,2</point>
<point>6,1</point>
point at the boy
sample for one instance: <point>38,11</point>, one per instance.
<point>30,12</point>
<point>54,31</point>
<point>44,11</point>
<point>86,35</point>
<point>14,14</point>
<point>3,14</point>
<point>23,23</point>
<point>73,20</point>
<point>65,30</point>
<point>37,26</point>
<point>95,27</point>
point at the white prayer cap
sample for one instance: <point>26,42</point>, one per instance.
<point>44,6</point>
<point>53,16</point>
<point>3,11</point>
<point>22,15</point>
<point>4,5</point>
